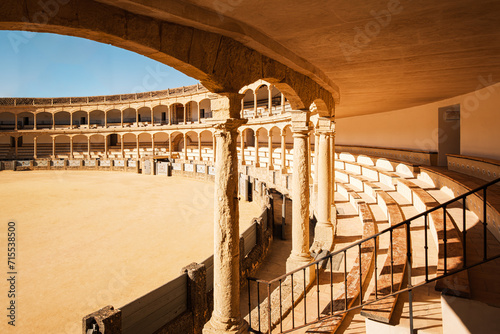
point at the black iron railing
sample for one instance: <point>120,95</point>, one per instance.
<point>273,299</point>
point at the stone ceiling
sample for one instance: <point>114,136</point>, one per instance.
<point>383,55</point>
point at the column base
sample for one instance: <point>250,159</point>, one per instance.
<point>324,235</point>
<point>257,164</point>
<point>228,326</point>
<point>293,262</point>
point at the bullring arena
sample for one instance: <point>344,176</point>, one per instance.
<point>349,153</point>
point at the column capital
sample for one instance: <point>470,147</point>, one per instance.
<point>325,125</point>
<point>300,121</point>
<point>226,125</point>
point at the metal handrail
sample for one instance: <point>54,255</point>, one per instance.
<point>358,244</point>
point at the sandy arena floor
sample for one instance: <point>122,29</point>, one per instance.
<point>90,239</point>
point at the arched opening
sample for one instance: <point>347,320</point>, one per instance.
<point>144,116</point>
<point>177,110</point>
<point>62,147</point>
<point>192,112</point>
<point>7,121</point>
<point>177,139</point>
<point>161,143</point>
<point>205,109</point>
<point>276,96</point>
<point>80,146</point>
<point>129,117</point>
<point>26,148</point>
<point>43,120</point>
<point>43,146</point>
<point>80,118</point>
<point>62,119</point>
<point>25,120</point>
<point>96,118</point>
<point>160,115</point>
<point>262,94</point>
<point>274,143</point>
<point>129,146</point>
<point>114,118</point>
<point>97,146</point>
<point>207,152</point>
<point>145,144</point>
<point>248,104</point>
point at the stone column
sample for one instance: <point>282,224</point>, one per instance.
<point>199,113</point>
<point>185,147</point>
<point>283,152</point>
<point>122,146</point>
<point>332,158</point>
<point>152,117</point>
<point>315,183</point>
<point>152,144</point>
<point>34,121</point>
<point>34,147</point>
<point>53,147</point>
<point>324,230</point>
<point>270,99</point>
<point>270,148</point>
<point>137,117</point>
<point>170,115</point>
<point>106,146</point>
<point>88,146</point>
<point>282,103</point>
<point>138,148</point>
<point>121,120</point>
<point>15,122</point>
<point>88,119</point>
<point>71,147</point>
<point>170,144</point>
<point>105,119</point>
<point>300,254</point>
<point>199,148</point>
<point>256,144</point>
<point>226,317</point>
<point>53,121</point>
<point>71,120</point>
<point>242,146</point>
<point>214,147</point>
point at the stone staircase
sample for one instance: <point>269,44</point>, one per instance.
<point>371,195</point>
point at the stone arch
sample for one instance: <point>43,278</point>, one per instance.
<point>221,63</point>
<point>160,113</point>
<point>97,117</point>
<point>43,120</point>
<point>144,114</point>
<point>62,146</point>
<point>62,119</point>
<point>114,117</point>
<point>7,120</point>
<point>25,120</point>
<point>129,116</point>
<point>80,117</point>
<point>97,145</point>
<point>320,107</point>
<point>177,137</point>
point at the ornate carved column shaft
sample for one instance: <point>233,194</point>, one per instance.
<point>226,317</point>
<point>300,254</point>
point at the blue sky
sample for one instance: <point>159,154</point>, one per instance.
<point>49,65</point>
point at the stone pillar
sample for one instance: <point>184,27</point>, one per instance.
<point>283,152</point>
<point>106,146</point>
<point>200,158</point>
<point>270,99</point>
<point>254,104</point>
<point>170,144</point>
<point>34,147</point>
<point>185,146</point>
<point>324,230</point>
<point>300,254</point>
<point>214,147</point>
<point>137,117</point>
<point>71,147</point>
<point>199,113</point>
<point>315,183</point>
<point>242,146</point>
<point>122,146</point>
<point>88,119</point>
<point>138,147</point>
<point>15,122</point>
<point>71,120</point>
<point>256,144</point>
<point>270,148</point>
<point>170,115</point>
<point>152,117</point>
<point>105,119</point>
<point>332,156</point>
<point>282,103</point>
<point>226,317</point>
<point>88,147</point>
<point>34,121</point>
<point>121,120</point>
<point>53,121</point>
<point>152,144</point>
<point>53,147</point>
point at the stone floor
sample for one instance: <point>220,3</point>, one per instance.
<point>90,239</point>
